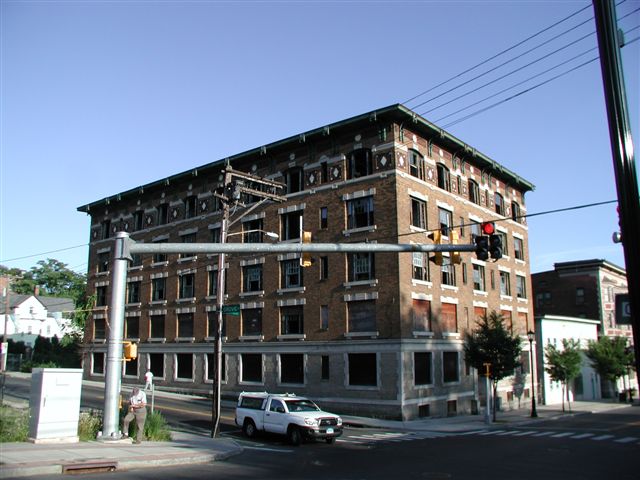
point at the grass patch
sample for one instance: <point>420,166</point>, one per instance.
<point>155,428</point>
<point>14,424</point>
<point>89,425</point>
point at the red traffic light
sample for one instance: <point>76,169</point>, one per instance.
<point>488,228</point>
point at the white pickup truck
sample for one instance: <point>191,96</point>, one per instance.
<point>296,417</point>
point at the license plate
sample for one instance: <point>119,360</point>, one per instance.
<point>329,430</point>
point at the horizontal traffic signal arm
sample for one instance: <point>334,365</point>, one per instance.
<point>133,247</point>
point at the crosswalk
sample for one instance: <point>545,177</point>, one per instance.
<point>554,434</point>
<point>389,437</point>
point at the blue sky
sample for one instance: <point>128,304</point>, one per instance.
<point>99,97</point>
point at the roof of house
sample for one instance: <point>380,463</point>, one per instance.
<point>52,304</point>
<point>398,113</point>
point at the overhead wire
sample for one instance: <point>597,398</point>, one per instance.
<point>499,54</point>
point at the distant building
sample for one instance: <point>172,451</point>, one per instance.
<point>551,330</point>
<point>582,289</point>
<point>378,334</point>
<point>31,316</point>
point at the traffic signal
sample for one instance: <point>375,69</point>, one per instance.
<point>482,247</point>
<point>130,351</point>
<point>305,259</point>
<point>456,259</point>
<point>437,239</point>
<point>488,228</point>
<point>495,246</point>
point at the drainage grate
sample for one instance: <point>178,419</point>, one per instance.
<point>89,467</point>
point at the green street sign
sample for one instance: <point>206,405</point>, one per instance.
<point>233,310</point>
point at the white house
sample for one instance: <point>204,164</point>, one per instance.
<point>30,316</point>
<point>552,329</point>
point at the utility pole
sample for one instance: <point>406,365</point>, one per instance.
<point>235,185</point>
<point>622,151</point>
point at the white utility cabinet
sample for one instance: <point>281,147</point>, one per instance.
<point>55,404</point>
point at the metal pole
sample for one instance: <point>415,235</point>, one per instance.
<point>534,412</point>
<point>622,151</point>
<point>215,412</point>
<point>113,374</point>
<point>487,387</point>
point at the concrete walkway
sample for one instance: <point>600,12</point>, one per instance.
<point>27,459</point>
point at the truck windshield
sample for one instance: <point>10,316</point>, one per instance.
<point>301,406</point>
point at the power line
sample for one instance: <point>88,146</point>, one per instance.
<point>45,253</point>
<point>530,88</point>
<point>498,54</point>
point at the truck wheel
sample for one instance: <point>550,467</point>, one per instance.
<point>295,437</point>
<point>249,428</point>
<point>330,440</point>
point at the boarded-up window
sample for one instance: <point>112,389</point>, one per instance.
<point>449,317</point>
<point>421,315</point>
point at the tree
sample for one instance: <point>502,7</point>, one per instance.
<point>492,343</point>
<point>564,365</point>
<point>609,357</point>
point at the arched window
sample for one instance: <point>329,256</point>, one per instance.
<point>474,192</point>
<point>444,178</point>
<point>515,212</point>
<point>416,164</point>
<point>359,163</point>
<point>499,204</point>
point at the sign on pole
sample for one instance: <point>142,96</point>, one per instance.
<point>623,309</point>
<point>233,310</point>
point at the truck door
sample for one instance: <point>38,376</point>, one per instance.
<point>275,418</point>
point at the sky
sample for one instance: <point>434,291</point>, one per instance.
<point>99,97</point>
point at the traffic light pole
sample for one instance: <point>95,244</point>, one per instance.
<point>113,374</point>
<point>623,161</point>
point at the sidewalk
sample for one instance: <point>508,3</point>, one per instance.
<point>466,423</point>
<point>27,459</point>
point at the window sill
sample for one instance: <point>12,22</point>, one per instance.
<point>185,339</point>
<point>425,283</point>
<point>133,305</point>
<point>156,340</point>
<point>450,335</point>
<point>135,268</point>
<point>103,274</point>
<point>215,297</point>
<point>361,283</point>
<point>193,258</point>
<point>352,231</point>
<point>186,300</point>
<point>292,336</point>
<point>480,293</point>
<point>158,302</point>
<point>133,339</point>
<point>160,264</point>
<point>257,293</point>
<point>213,339</point>
<point>523,300</point>
<point>291,290</point>
<point>506,297</point>
<point>251,338</point>
<point>449,287</point>
<point>419,334</point>
<point>361,335</point>
<point>99,340</point>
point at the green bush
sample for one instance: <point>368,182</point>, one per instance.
<point>89,425</point>
<point>27,367</point>
<point>156,428</point>
<point>14,424</point>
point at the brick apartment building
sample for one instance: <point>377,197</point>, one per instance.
<point>378,334</point>
<point>583,289</point>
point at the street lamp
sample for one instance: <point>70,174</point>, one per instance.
<point>531,335</point>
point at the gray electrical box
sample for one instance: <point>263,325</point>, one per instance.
<point>55,404</point>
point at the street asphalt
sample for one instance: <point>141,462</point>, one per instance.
<point>29,459</point>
